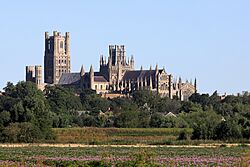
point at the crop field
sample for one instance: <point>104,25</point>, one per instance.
<point>77,147</point>
<point>118,135</point>
<point>124,156</point>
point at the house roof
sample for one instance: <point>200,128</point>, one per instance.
<point>133,75</point>
<point>170,114</point>
<point>69,78</point>
<point>100,79</point>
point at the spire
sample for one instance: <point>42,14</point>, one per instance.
<point>150,82</point>
<point>101,58</point>
<point>191,82</point>
<point>150,68</point>
<point>156,67</point>
<point>132,62</point>
<point>82,72</point>
<point>180,80</point>
<point>195,86</point>
<point>105,60</point>
<point>91,77</point>
<point>132,57</point>
<point>91,71</point>
<point>109,61</point>
<point>141,68</point>
<point>138,84</point>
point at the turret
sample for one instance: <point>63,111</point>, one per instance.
<point>82,72</point>
<point>46,35</point>
<point>91,77</point>
<point>101,60</point>
<point>156,76</point>
<point>180,82</point>
<point>195,85</point>
<point>156,68</point>
<point>109,62</point>
<point>170,87</point>
<point>132,62</point>
<point>150,82</point>
<point>30,73</point>
<point>38,74</point>
<point>119,73</point>
<point>105,60</point>
<point>67,47</point>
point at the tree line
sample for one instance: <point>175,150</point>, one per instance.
<point>28,114</point>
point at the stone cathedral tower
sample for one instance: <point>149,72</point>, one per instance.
<point>56,57</point>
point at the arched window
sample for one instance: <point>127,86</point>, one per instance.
<point>61,44</point>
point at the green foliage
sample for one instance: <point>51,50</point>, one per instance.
<point>228,130</point>
<point>21,132</point>
<point>127,119</point>
<point>183,135</point>
<point>166,105</point>
<point>24,114</point>
<point>93,135</point>
<point>146,97</point>
<point>64,107</point>
<point>62,99</point>
<point>203,124</point>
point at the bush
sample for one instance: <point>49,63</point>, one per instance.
<point>20,132</point>
<point>228,130</point>
<point>183,135</point>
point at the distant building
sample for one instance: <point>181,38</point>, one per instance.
<point>34,74</point>
<point>116,73</point>
<point>56,57</point>
<point>170,114</point>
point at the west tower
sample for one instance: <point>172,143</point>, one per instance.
<point>56,56</point>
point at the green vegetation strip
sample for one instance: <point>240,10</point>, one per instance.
<point>118,135</point>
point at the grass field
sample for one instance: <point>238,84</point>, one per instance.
<point>118,135</point>
<point>124,156</point>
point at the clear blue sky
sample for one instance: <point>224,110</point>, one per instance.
<point>208,39</point>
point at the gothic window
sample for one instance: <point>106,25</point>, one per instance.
<point>61,44</point>
<point>101,86</point>
<point>95,87</point>
<point>48,45</point>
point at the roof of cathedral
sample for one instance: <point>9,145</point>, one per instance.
<point>69,78</point>
<point>100,79</point>
<point>133,75</point>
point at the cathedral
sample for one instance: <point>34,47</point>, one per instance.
<point>116,75</point>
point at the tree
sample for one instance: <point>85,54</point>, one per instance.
<point>146,97</point>
<point>228,130</point>
<point>21,132</point>
<point>62,99</point>
<point>25,103</point>
<point>127,119</point>
<point>166,105</point>
<point>203,124</point>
